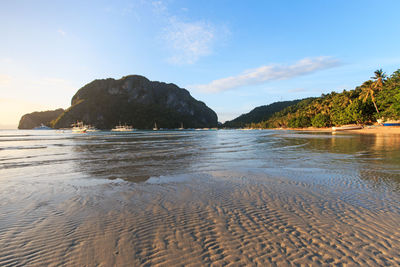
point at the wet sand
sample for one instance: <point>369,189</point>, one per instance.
<point>220,218</point>
<point>233,198</point>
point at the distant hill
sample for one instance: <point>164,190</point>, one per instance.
<point>136,101</point>
<point>259,114</point>
<point>34,119</point>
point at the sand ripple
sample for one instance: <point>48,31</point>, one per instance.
<point>220,218</point>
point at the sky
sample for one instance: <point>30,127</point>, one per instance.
<point>232,55</point>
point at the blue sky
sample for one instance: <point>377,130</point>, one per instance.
<point>233,55</point>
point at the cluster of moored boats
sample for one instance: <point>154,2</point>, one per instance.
<point>80,127</point>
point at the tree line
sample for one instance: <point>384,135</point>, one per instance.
<point>377,98</point>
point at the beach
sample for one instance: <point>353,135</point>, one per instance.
<point>269,198</point>
<point>364,130</point>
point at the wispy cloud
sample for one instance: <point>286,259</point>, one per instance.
<point>159,7</point>
<point>186,40</point>
<point>61,32</point>
<point>267,73</point>
<point>189,40</point>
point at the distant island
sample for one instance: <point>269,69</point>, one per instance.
<point>376,99</point>
<point>35,119</point>
<point>136,101</point>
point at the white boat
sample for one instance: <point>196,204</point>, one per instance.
<point>79,127</point>
<point>90,128</point>
<point>42,127</point>
<point>155,128</point>
<point>122,128</point>
<point>347,127</point>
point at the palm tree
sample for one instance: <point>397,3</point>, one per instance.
<point>380,78</point>
<point>368,91</point>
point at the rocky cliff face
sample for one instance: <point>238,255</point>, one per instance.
<point>34,119</point>
<point>136,101</point>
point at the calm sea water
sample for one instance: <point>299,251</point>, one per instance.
<point>367,160</point>
<point>42,168</point>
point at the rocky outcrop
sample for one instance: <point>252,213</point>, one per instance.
<point>35,119</point>
<point>136,101</point>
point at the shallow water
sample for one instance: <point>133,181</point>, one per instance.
<point>199,197</point>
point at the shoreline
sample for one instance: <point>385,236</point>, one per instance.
<point>365,130</point>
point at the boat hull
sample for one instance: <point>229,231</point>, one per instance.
<point>347,128</point>
<point>391,124</point>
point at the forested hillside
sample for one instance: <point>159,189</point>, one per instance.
<point>259,114</point>
<point>374,99</point>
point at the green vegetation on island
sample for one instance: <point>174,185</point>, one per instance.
<point>378,98</point>
<point>259,114</point>
<point>131,100</point>
<point>136,101</point>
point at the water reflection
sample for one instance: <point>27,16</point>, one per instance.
<point>374,158</point>
<point>138,156</point>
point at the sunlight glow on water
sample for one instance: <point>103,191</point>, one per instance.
<point>140,155</point>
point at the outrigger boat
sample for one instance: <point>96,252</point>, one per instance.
<point>347,127</point>
<point>90,128</point>
<point>78,127</point>
<point>122,128</point>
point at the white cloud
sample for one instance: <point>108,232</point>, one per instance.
<point>186,40</point>
<point>268,73</point>
<point>159,7</point>
<point>189,40</point>
<point>63,33</point>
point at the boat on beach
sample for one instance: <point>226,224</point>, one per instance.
<point>347,127</point>
<point>391,123</point>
